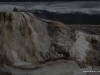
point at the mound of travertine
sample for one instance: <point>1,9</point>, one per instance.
<point>27,41</point>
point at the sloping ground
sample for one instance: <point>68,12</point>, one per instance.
<point>88,28</point>
<point>59,67</point>
<point>25,39</point>
<point>29,43</point>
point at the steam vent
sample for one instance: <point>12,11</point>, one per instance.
<point>30,45</point>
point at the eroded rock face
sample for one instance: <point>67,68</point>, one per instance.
<point>26,41</point>
<point>82,49</point>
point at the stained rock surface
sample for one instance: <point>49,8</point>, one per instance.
<point>42,46</point>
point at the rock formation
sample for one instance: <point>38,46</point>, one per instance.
<point>15,9</point>
<point>27,41</point>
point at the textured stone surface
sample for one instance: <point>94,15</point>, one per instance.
<point>30,43</point>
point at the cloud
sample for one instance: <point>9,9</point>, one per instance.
<point>9,8</point>
<point>91,7</point>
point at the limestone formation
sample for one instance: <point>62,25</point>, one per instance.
<point>29,42</point>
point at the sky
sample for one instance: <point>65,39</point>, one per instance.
<point>88,7</point>
<point>40,0</point>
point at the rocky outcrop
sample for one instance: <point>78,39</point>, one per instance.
<point>27,42</point>
<point>82,49</point>
<point>15,9</point>
<point>27,39</point>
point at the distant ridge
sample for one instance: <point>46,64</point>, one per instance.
<point>68,18</point>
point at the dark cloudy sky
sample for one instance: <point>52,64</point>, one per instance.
<point>89,7</point>
<point>40,0</point>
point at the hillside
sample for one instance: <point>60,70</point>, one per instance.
<point>34,46</point>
